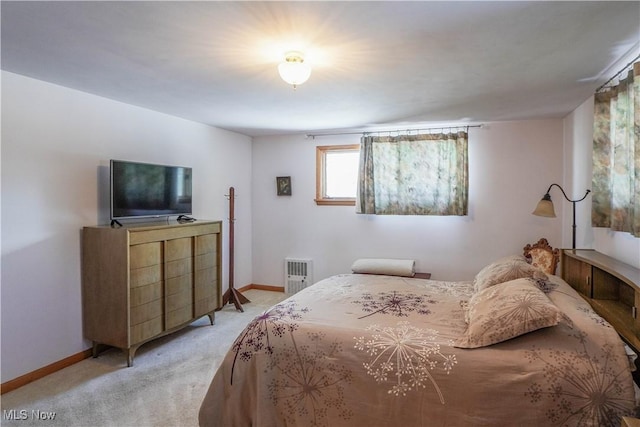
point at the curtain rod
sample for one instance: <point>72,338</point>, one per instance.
<point>313,135</point>
<point>618,73</point>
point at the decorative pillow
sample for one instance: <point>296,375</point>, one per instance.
<point>389,267</point>
<point>514,257</point>
<point>506,311</point>
<point>505,269</point>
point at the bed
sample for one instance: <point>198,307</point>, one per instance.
<point>515,346</point>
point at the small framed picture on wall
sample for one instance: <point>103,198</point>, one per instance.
<point>283,184</point>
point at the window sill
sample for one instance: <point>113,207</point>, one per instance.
<point>335,202</point>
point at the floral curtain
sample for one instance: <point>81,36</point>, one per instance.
<point>616,156</point>
<point>423,174</point>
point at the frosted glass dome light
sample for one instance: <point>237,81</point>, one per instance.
<point>293,70</point>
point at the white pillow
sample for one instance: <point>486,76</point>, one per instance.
<point>506,269</point>
<point>505,311</point>
<point>389,267</point>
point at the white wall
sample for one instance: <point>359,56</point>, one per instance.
<point>578,164</point>
<point>510,167</point>
<point>56,145</point>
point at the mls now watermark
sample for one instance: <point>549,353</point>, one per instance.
<point>23,415</point>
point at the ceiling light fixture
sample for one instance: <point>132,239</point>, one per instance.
<point>293,70</point>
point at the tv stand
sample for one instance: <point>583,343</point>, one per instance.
<point>140,282</point>
<point>185,218</point>
<point>115,222</point>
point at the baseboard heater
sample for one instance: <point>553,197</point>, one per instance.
<point>298,274</point>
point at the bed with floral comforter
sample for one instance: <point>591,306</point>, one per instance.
<point>374,350</point>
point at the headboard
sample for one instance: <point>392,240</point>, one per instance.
<point>542,255</point>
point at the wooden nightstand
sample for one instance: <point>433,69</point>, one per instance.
<point>422,276</point>
<point>630,422</point>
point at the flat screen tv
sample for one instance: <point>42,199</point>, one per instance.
<point>148,190</point>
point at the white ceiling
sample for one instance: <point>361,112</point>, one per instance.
<point>375,64</point>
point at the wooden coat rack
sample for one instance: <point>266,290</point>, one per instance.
<point>232,295</point>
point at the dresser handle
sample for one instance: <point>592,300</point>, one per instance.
<point>634,312</point>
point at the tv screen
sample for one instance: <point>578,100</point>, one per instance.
<point>148,190</point>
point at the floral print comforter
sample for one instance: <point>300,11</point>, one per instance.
<point>364,350</point>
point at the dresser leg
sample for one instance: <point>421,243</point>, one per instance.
<point>212,317</point>
<point>94,349</point>
<point>130,353</point>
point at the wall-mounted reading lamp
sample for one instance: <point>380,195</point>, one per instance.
<point>545,208</point>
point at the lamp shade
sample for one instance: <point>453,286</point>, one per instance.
<point>545,207</point>
<point>293,70</point>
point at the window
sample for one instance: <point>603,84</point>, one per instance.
<point>337,174</point>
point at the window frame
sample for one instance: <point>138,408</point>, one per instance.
<point>321,199</point>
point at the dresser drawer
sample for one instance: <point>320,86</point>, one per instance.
<point>146,330</point>
<point>145,275</point>
<point>178,249</point>
<point>145,255</point>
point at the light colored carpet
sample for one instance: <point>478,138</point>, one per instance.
<point>165,386</point>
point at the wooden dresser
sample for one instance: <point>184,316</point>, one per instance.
<point>610,286</point>
<point>140,282</point>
